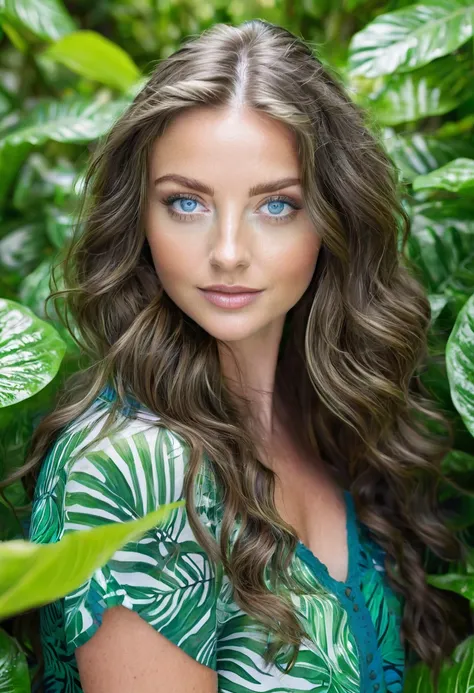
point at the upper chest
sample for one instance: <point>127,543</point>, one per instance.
<point>310,501</point>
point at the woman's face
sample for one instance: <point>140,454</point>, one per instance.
<point>220,229</point>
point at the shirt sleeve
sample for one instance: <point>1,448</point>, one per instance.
<point>166,577</point>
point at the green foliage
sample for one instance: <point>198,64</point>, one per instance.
<point>47,20</point>
<point>460,360</point>
<point>455,676</point>
<point>64,80</point>
<point>30,353</point>
<point>456,176</point>
<point>36,574</point>
<point>14,675</point>
<point>91,55</point>
<point>411,37</point>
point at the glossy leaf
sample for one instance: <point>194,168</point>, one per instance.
<point>457,677</point>
<point>35,574</point>
<point>461,584</point>
<point>93,56</point>
<point>432,90</point>
<point>35,288</point>
<point>457,176</point>
<point>47,19</point>
<point>460,364</point>
<point>411,37</point>
<point>438,303</point>
<point>74,120</point>
<point>441,240</point>
<point>14,675</point>
<point>420,153</point>
<point>30,353</point>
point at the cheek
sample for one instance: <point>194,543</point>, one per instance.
<point>172,256</point>
<point>299,262</point>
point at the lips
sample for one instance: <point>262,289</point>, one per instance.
<point>230,300</point>
<point>237,289</point>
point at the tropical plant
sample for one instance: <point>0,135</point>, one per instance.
<point>66,75</point>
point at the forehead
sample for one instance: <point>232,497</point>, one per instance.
<point>216,138</point>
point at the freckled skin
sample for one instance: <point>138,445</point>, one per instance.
<point>232,238</point>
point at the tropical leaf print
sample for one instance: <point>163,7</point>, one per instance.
<point>167,578</point>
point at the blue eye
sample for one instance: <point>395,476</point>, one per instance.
<point>188,204</point>
<point>276,206</point>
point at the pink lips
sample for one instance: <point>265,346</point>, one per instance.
<point>226,300</point>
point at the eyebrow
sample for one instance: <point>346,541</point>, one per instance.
<point>195,184</point>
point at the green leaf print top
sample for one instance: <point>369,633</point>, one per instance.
<point>166,577</point>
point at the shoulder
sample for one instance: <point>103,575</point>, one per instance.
<point>86,441</point>
<point>92,476</point>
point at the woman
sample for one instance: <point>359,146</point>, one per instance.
<point>283,404</point>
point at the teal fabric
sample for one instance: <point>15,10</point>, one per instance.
<point>353,626</point>
<point>352,598</point>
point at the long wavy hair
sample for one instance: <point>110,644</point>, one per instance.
<point>348,371</point>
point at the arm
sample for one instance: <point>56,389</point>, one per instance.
<point>147,617</point>
<point>126,654</point>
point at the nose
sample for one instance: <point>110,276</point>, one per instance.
<point>230,247</point>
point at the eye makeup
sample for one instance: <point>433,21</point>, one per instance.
<point>170,199</point>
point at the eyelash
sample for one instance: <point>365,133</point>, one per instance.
<point>168,201</point>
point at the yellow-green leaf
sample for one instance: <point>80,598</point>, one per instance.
<point>456,176</point>
<point>91,55</point>
<point>35,574</point>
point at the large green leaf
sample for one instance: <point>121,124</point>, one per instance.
<point>457,677</point>
<point>74,120</point>
<point>432,90</point>
<point>438,303</point>
<point>461,583</point>
<point>42,180</point>
<point>460,364</point>
<point>420,153</point>
<point>14,675</point>
<point>440,243</point>
<point>47,19</point>
<point>21,248</point>
<point>30,353</point>
<point>456,176</point>
<point>411,37</point>
<point>34,290</point>
<point>93,56</point>
<point>34,574</point>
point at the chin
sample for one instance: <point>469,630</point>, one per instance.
<point>230,335</point>
<point>225,331</point>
